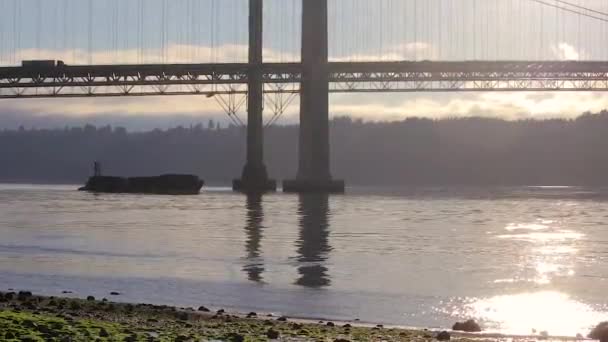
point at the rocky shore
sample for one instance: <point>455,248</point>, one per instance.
<point>27,317</point>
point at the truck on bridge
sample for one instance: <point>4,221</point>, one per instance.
<point>42,64</point>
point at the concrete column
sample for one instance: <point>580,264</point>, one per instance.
<point>255,176</point>
<point>314,160</point>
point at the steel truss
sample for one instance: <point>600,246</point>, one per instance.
<point>283,78</point>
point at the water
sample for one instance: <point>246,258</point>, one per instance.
<point>515,259</point>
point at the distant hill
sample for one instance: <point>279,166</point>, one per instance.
<point>476,151</point>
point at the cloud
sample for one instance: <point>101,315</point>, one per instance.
<point>565,51</point>
<point>397,52</point>
<point>511,106</point>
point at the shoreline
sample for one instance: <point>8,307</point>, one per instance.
<point>28,317</point>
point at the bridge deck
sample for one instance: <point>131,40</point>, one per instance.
<point>404,76</point>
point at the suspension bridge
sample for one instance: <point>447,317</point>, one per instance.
<point>346,46</point>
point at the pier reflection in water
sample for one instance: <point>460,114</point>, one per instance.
<point>254,230</point>
<point>313,243</point>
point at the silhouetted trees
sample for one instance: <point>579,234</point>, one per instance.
<point>460,151</point>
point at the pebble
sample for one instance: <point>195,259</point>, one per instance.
<point>444,336</point>
<point>272,334</point>
<point>468,326</point>
<point>600,332</point>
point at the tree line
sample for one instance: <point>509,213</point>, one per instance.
<point>414,151</point>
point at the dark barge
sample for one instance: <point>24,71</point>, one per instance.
<point>160,185</point>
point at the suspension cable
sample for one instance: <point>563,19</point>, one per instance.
<point>571,10</point>
<point>581,7</point>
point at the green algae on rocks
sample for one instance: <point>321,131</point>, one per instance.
<point>25,317</point>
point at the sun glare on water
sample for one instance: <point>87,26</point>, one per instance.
<point>535,312</point>
<point>547,255</point>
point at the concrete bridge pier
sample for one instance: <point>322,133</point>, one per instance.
<point>255,177</point>
<point>314,160</point>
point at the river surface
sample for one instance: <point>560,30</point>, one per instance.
<point>516,259</point>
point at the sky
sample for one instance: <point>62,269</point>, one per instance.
<point>200,31</point>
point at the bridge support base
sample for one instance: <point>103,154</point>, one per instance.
<point>249,187</point>
<point>314,186</point>
<point>255,180</point>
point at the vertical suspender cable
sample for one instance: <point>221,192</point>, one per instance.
<point>578,43</point>
<point>556,44</point>
<point>55,22</point>
<point>440,27</point>
<point>381,47</point>
<point>14,34</point>
<point>121,29</point>
<point>510,32</point>
<point>111,12</point>
<point>341,38</point>
<point>123,34</point>
<point>212,32</point>
<point>424,27</point>
<point>497,27</point>
<point>283,31</point>
<point>565,37</point>
<point>541,32</point>
<point>16,30</point>
<point>173,32</point>
<point>415,30</point>
<point>462,30</point>
<point>64,21</point>
<point>140,18</point>
<point>450,30</point>
<point>90,31</point>
<point>116,29</point>
<point>142,33</point>
<point>199,30</point>
<point>392,25</point>
<point>164,32</point>
<point>487,42</point>
<point>196,34</point>
<point>369,24</point>
<point>3,10</point>
<point>353,41</point>
<point>191,31</point>
<point>407,29</point>
<point>521,31</point>
<point>228,39</point>
<point>474,29</point>
<point>386,27</point>
<point>366,27</point>
<point>182,28</point>
<point>429,28</point>
<point>38,27</point>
